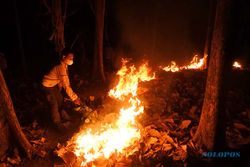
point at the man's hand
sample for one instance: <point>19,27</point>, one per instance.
<point>77,101</point>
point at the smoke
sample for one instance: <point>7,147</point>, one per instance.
<point>161,30</point>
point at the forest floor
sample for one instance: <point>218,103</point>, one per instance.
<point>173,103</point>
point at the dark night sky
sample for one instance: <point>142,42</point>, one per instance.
<point>163,30</point>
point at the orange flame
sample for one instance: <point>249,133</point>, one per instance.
<point>172,67</point>
<point>196,64</point>
<point>123,132</point>
<point>129,79</point>
<point>237,65</point>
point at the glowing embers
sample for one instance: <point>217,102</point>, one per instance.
<point>195,64</point>
<point>118,136</point>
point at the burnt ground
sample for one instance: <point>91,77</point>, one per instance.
<point>173,105</point>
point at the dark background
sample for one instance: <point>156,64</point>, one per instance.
<point>158,30</point>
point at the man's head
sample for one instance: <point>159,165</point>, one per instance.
<point>67,57</point>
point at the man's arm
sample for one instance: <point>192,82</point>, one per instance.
<point>68,89</point>
<point>66,84</point>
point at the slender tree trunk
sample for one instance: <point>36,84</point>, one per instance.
<point>98,68</point>
<point>4,133</point>
<point>211,19</point>
<point>58,21</point>
<point>8,109</point>
<point>20,41</point>
<point>154,27</point>
<point>210,134</point>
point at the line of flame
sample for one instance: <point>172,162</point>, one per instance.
<point>195,63</point>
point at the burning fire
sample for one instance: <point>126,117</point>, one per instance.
<point>114,138</point>
<point>173,67</point>
<point>196,64</point>
<point>129,79</point>
<point>237,65</point>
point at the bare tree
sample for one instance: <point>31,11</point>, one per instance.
<point>211,130</point>
<point>9,112</point>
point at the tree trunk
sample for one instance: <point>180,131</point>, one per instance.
<point>8,109</point>
<point>211,130</point>
<point>98,68</point>
<point>211,18</point>
<point>4,133</point>
<point>20,41</point>
<point>58,21</point>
